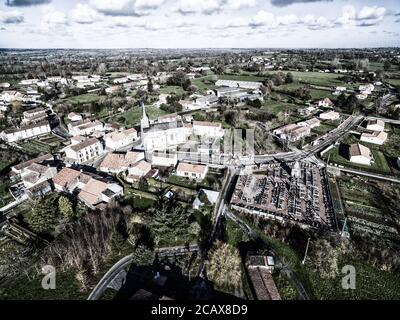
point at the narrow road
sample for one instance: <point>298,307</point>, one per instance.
<point>126,262</point>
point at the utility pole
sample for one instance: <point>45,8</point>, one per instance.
<point>305,254</point>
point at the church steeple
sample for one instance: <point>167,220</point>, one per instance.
<point>144,122</point>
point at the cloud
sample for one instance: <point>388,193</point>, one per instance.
<point>367,16</point>
<point>371,13</point>
<point>84,14</point>
<point>239,4</point>
<point>262,18</point>
<point>284,3</point>
<point>135,8</point>
<point>53,21</point>
<point>206,7</point>
<point>11,17</point>
<point>25,3</point>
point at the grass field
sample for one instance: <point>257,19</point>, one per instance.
<point>132,117</point>
<point>379,166</point>
<point>83,98</point>
<point>171,90</point>
<point>316,78</point>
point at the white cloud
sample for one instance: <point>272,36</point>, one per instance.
<point>84,14</point>
<point>239,4</point>
<point>53,20</point>
<point>125,7</point>
<point>11,17</point>
<point>200,6</point>
<point>371,13</point>
<point>288,19</point>
<point>367,16</point>
<point>262,18</point>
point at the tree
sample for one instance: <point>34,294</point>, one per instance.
<point>170,219</point>
<point>43,215</point>
<point>143,184</point>
<point>289,77</point>
<point>102,68</point>
<point>65,208</point>
<point>230,117</point>
<point>387,65</point>
<point>150,87</point>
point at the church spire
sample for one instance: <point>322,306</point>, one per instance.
<point>144,122</point>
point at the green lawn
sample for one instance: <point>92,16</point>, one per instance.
<point>241,77</point>
<point>83,98</point>
<point>379,166</point>
<point>171,90</point>
<point>132,117</point>
<point>316,78</point>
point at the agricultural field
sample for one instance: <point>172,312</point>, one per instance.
<point>41,145</point>
<point>364,208</point>
<point>316,78</point>
<point>171,90</point>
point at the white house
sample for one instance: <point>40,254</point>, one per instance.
<point>366,88</point>
<point>118,139</point>
<point>140,169</point>
<point>119,162</point>
<point>162,136</point>
<point>377,137</point>
<point>239,84</point>
<point>360,154</point>
<point>210,129</point>
<point>292,132</point>
<point>192,171</point>
<point>330,115</point>
<point>10,96</point>
<point>72,116</point>
<point>32,115</point>
<point>325,103</point>
<point>376,125</point>
<point>84,128</point>
<point>312,123</point>
<point>37,173</point>
<point>164,159</point>
<point>26,132</point>
<point>84,151</point>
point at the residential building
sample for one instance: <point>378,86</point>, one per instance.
<point>377,137</point>
<point>85,128</point>
<point>325,103</point>
<point>239,84</point>
<point>360,154</point>
<point>330,115</point>
<point>209,129</point>
<point>119,139</point>
<point>19,168</point>
<point>77,139</point>
<point>92,189</point>
<point>34,115</point>
<point>37,173</point>
<point>312,123</point>
<point>26,132</point>
<point>292,132</point>
<point>376,125</point>
<point>164,159</point>
<point>192,171</point>
<point>140,169</point>
<point>84,151</point>
<point>72,116</point>
<point>119,162</point>
<point>10,96</point>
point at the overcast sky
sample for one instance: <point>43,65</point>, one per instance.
<point>198,23</point>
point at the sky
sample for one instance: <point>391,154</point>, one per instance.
<point>199,23</point>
